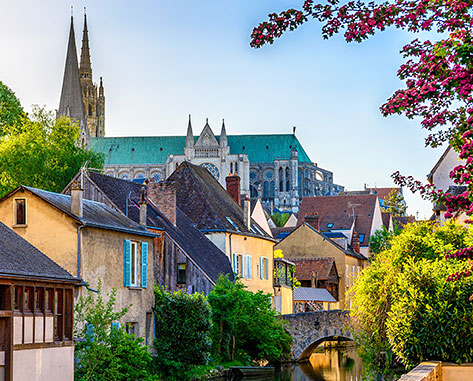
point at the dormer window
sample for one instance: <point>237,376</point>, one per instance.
<point>329,226</point>
<point>20,211</point>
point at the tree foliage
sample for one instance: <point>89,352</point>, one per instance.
<point>381,239</point>
<point>104,350</point>
<point>11,112</point>
<point>182,333</point>
<point>403,304</point>
<point>245,326</point>
<point>438,75</point>
<point>280,219</point>
<point>395,204</point>
<point>42,152</point>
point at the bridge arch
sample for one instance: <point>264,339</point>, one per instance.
<point>310,329</point>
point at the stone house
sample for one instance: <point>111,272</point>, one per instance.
<point>306,242</point>
<point>184,259</point>
<point>91,241</point>
<point>36,313</point>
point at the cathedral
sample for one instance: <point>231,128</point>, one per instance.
<point>272,167</point>
<point>80,100</point>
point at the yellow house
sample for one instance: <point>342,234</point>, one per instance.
<point>307,242</point>
<point>225,219</point>
<point>91,241</point>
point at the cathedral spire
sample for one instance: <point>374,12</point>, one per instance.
<point>190,135</point>
<point>85,66</point>
<point>70,103</point>
<point>223,135</point>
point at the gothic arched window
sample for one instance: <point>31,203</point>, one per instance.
<point>266,189</point>
<point>287,180</point>
<point>281,179</point>
<point>212,169</point>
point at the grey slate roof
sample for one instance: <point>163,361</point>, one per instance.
<point>198,247</point>
<point>95,214</point>
<point>307,294</point>
<point>19,258</point>
<point>209,206</point>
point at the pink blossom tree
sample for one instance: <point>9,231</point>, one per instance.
<point>438,76</point>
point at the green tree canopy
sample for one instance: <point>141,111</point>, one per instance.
<point>403,304</point>
<point>395,204</point>
<point>42,152</point>
<point>280,219</point>
<point>11,112</point>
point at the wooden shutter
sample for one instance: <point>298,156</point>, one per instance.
<point>127,263</point>
<point>144,264</point>
<point>235,270</point>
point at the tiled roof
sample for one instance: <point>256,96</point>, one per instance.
<point>95,214</point>
<point>281,232</point>
<point>200,249</point>
<point>382,193</point>
<point>19,258</point>
<point>321,267</point>
<point>338,210</point>
<point>386,217</point>
<point>309,294</point>
<point>156,149</point>
<point>209,206</point>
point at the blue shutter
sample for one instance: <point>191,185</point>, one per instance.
<point>248,266</point>
<point>115,325</point>
<point>242,265</point>
<point>144,264</point>
<point>127,263</point>
<point>90,332</point>
<point>266,269</point>
<point>261,268</point>
<point>234,264</point>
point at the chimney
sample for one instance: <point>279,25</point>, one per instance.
<point>312,219</point>
<point>77,198</point>
<point>355,242</point>
<point>246,212</point>
<point>233,187</point>
<point>143,207</point>
<point>163,195</point>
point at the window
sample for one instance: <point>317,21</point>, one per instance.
<point>264,268</point>
<point>233,223</point>
<point>135,266</point>
<point>20,211</point>
<point>248,267</point>
<point>238,265</point>
<point>132,329</point>
<point>181,273</point>
<point>330,225</point>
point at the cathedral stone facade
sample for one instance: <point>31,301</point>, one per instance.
<point>273,167</point>
<point>80,99</point>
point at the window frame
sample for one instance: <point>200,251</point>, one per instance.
<point>135,264</point>
<point>15,207</point>
<point>179,279</point>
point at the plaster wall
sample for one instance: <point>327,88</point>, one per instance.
<point>285,295</point>
<point>260,217</point>
<point>44,364</point>
<point>305,243</point>
<point>51,231</point>
<point>441,178</point>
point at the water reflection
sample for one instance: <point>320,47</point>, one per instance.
<point>326,364</point>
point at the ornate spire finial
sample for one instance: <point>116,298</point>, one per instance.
<point>85,11</point>
<point>72,11</point>
<point>206,120</point>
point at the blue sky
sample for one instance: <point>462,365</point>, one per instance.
<point>162,60</point>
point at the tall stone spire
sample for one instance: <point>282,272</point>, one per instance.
<point>190,135</point>
<point>223,135</point>
<point>85,66</point>
<point>70,104</point>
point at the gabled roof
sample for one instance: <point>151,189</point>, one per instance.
<point>19,258</point>
<point>156,149</point>
<point>209,206</point>
<point>439,161</point>
<point>338,210</point>
<point>193,243</point>
<point>95,214</point>
<point>320,267</point>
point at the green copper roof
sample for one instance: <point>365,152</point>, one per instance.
<point>156,149</point>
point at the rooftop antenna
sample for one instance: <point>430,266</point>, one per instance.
<point>353,206</point>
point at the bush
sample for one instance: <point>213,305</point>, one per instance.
<point>403,305</point>
<point>182,333</point>
<point>105,351</point>
<point>245,326</point>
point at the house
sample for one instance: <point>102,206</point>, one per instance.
<point>307,242</point>
<point>283,285</point>
<point>317,273</point>
<point>338,217</point>
<point>184,258</point>
<point>91,241</point>
<point>217,213</point>
<point>36,313</point>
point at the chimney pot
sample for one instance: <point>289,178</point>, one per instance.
<point>77,194</point>
<point>233,187</point>
<point>143,207</point>
<point>355,242</point>
<point>312,219</point>
<point>247,213</point>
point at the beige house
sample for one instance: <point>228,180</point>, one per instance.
<point>307,242</point>
<point>36,313</point>
<point>91,241</point>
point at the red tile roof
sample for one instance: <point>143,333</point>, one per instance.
<point>338,210</point>
<point>319,266</point>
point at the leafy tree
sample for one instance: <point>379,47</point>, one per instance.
<point>381,239</point>
<point>404,306</point>
<point>11,112</point>
<point>438,75</point>
<point>395,204</point>
<point>182,333</point>
<point>42,152</point>
<point>280,219</point>
<point>105,351</point>
<point>245,326</point>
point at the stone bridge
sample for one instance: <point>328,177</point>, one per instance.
<point>309,329</point>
